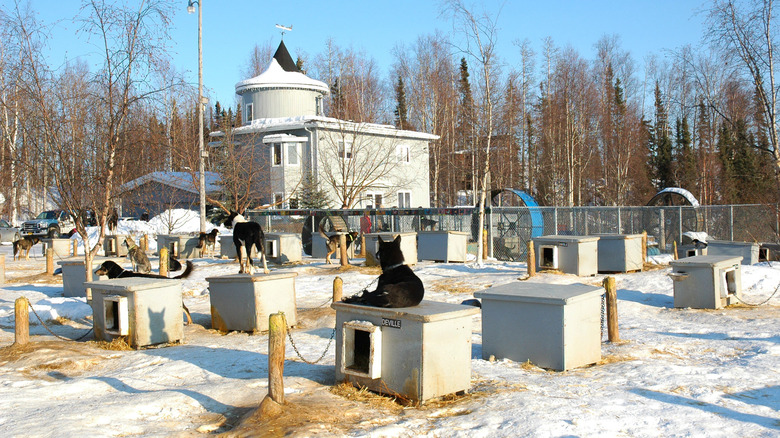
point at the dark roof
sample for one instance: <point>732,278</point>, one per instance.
<point>282,56</point>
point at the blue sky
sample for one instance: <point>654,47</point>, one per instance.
<point>231,28</point>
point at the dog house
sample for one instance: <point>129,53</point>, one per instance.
<point>749,251</point>
<point>684,251</point>
<point>244,302</point>
<point>442,246</point>
<point>706,282</point>
<point>576,255</point>
<point>179,246</point>
<point>114,245</point>
<point>74,274</point>
<point>283,247</point>
<point>227,249</point>
<point>552,325</point>
<point>62,247</point>
<point>419,352</point>
<point>768,251</point>
<point>408,246</point>
<point>147,311</point>
<point>620,252</point>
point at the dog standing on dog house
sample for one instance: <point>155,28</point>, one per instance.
<point>246,234</point>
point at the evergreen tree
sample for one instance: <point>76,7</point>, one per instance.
<point>299,65</point>
<point>661,145</point>
<point>400,108</point>
<point>338,103</point>
<point>229,120</point>
<point>217,124</point>
<point>238,120</point>
<point>684,156</point>
<point>312,196</point>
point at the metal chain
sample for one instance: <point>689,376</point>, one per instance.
<point>316,307</point>
<point>603,313</point>
<point>295,347</point>
<point>761,303</point>
<point>49,330</point>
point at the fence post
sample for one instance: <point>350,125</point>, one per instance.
<point>21,321</point>
<point>50,260</point>
<point>531,259</point>
<point>276,333</point>
<point>731,222</point>
<point>164,261</point>
<point>555,221</point>
<point>612,317</point>
<point>662,230</point>
<point>338,289</point>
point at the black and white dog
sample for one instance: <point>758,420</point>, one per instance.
<point>245,235</point>
<point>398,285</point>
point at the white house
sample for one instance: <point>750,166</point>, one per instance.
<point>372,164</point>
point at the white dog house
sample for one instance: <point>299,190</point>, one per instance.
<point>283,247</point>
<point>114,245</point>
<point>554,326</point>
<point>74,274</point>
<point>408,246</point>
<point>749,251</point>
<point>244,302</point>
<point>227,249</point>
<point>147,311</point>
<point>419,352</point>
<point>576,255</point>
<point>620,252</point>
<point>442,246</point>
<point>62,247</point>
<point>179,246</point>
<point>706,282</point>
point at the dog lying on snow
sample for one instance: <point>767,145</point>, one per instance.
<point>113,270</point>
<point>332,242</point>
<point>246,234</point>
<point>24,245</point>
<point>398,285</point>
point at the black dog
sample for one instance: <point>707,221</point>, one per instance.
<point>24,245</point>
<point>173,263</point>
<point>398,285</point>
<point>245,235</point>
<point>113,270</point>
<point>206,241</point>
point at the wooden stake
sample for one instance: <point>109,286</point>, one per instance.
<point>343,248</point>
<point>338,288</point>
<point>22,321</point>
<point>50,260</point>
<point>362,246</point>
<point>145,243</point>
<point>164,261</point>
<point>2,268</point>
<point>75,247</point>
<point>484,245</point>
<point>531,259</point>
<point>277,330</point>
<point>612,317</point>
<point>644,246</point>
<point>674,245</point>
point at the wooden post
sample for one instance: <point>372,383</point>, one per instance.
<point>145,243</point>
<point>164,261</point>
<point>531,259</point>
<point>75,247</point>
<point>50,260</point>
<point>644,246</point>
<point>2,268</point>
<point>362,245</point>
<point>338,289</point>
<point>612,317</point>
<point>674,246</point>
<point>22,321</point>
<point>343,248</point>
<point>484,245</point>
<point>277,330</point>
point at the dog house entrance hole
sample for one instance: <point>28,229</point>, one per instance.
<point>549,256</point>
<point>729,282</point>
<point>362,349</point>
<point>690,253</point>
<point>271,248</point>
<point>115,315</point>
<point>173,249</point>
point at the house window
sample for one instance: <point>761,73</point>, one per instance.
<point>403,154</point>
<point>404,199</point>
<point>249,112</point>
<point>345,149</point>
<point>292,154</point>
<point>276,154</point>
<point>278,198</point>
<point>373,200</point>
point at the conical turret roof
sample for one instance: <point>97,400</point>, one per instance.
<point>282,72</point>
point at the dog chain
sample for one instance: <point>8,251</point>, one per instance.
<point>603,313</point>
<point>761,303</point>
<point>49,330</point>
<point>295,347</point>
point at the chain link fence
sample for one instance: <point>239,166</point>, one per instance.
<point>510,228</point>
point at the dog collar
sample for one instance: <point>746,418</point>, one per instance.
<point>391,267</point>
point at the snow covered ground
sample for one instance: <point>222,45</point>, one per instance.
<point>678,372</point>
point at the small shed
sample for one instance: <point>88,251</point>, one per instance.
<point>157,192</point>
